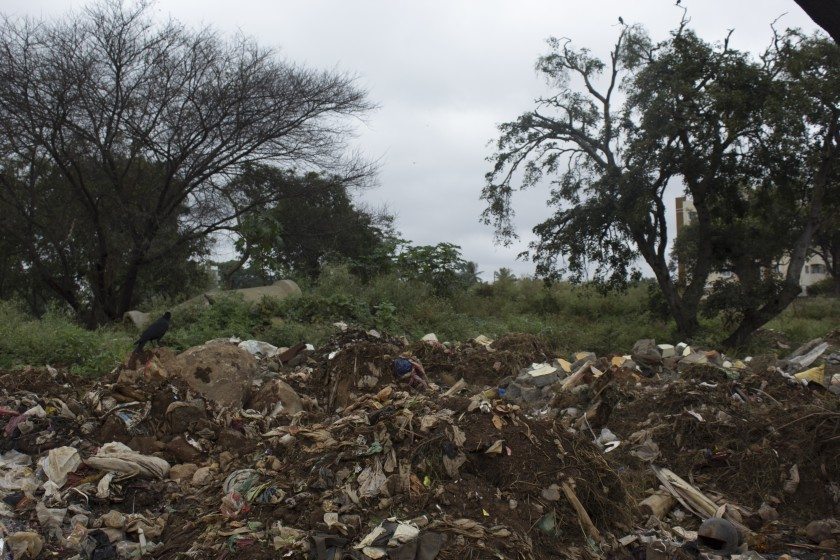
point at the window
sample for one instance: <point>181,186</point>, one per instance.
<point>817,269</point>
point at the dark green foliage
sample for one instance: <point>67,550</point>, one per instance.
<point>440,266</point>
<point>54,260</point>
<point>312,221</point>
<point>121,136</point>
<point>570,317</point>
<point>828,287</point>
<point>754,142</point>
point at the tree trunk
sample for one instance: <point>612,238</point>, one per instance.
<point>226,279</point>
<point>127,290</point>
<point>825,13</point>
<point>754,319</point>
<point>684,313</point>
<point>67,294</point>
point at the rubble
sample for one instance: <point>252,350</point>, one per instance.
<point>668,451</point>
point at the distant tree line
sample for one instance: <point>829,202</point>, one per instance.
<point>314,222</point>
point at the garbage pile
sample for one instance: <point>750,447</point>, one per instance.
<point>239,448</point>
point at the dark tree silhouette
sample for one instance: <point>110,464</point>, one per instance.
<point>122,125</point>
<point>825,13</point>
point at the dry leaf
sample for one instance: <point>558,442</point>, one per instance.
<point>497,447</point>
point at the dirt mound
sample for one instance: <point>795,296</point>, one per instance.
<point>354,361</point>
<point>478,364</point>
<point>331,458</point>
<point>523,343</point>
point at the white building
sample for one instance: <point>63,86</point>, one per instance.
<point>813,271</point>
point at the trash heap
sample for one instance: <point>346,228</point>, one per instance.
<point>239,448</point>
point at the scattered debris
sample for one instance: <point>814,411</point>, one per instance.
<point>246,449</point>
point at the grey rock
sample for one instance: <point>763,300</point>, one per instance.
<point>544,380</point>
<point>513,391</point>
<point>588,358</point>
<point>531,394</point>
<point>646,351</point>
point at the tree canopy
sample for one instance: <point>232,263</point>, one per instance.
<point>131,131</point>
<point>752,141</point>
<point>312,220</point>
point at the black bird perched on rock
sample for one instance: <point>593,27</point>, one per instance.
<point>155,331</point>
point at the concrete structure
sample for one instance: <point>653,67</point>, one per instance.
<point>814,270</point>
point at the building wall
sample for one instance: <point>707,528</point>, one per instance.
<point>813,271</point>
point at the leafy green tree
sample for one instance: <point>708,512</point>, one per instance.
<point>792,173</point>
<point>441,266</point>
<point>53,259</point>
<point>504,275</point>
<point>312,220</point>
<point>470,275</point>
<point>131,126</point>
<point>743,137</point>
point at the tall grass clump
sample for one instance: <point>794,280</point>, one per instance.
<point>56,340</point>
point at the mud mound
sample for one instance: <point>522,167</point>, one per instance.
<point>332,459</point>
<point>478,364</point>
<point>523,343</point>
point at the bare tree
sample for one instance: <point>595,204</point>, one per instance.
<point>136,128</point>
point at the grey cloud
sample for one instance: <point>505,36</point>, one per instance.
<point>445,73</point>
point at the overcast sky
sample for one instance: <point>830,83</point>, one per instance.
<point>444,74</point>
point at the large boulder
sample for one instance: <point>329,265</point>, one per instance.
<point>280,289</point>
<point>218,371</point>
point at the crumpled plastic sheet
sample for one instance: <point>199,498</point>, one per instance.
<point>59,463</point>
<point>259,348</point>
<point>118,457</point>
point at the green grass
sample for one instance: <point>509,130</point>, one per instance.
<point>571,318</point>
<point>808,318</point>
<point>56,340</point>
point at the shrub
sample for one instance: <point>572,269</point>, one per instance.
<point>569,317</point>
<point>825,287</point>
<point>56,340</point>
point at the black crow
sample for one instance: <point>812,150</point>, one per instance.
<point>155,331</point>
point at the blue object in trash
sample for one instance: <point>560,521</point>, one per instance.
<point>402,367</point>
